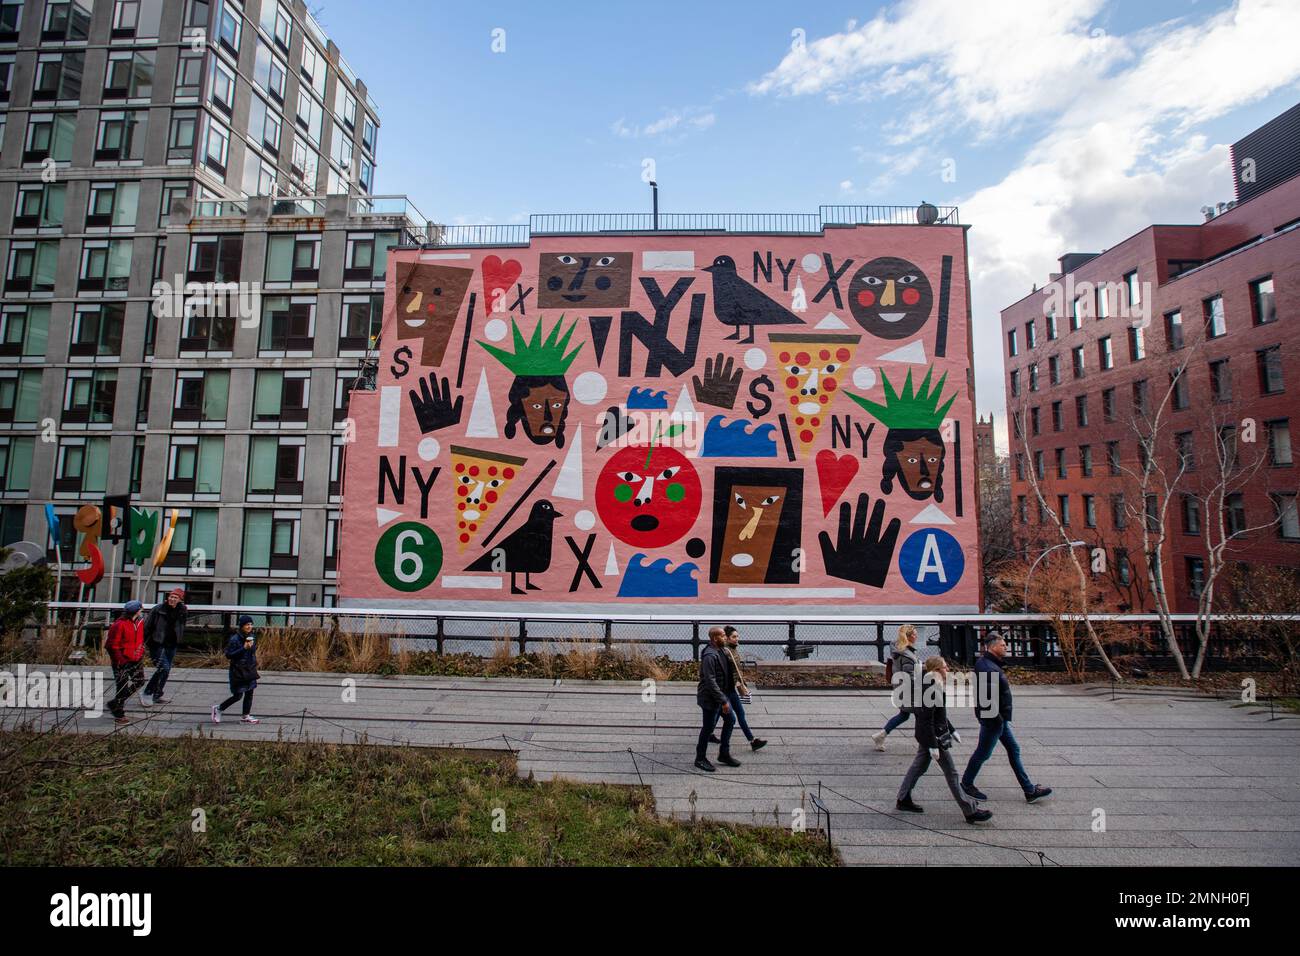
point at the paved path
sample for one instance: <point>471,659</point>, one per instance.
<point>1181,779</point>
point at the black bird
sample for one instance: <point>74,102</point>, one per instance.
<point>736,302</point>
<point>527,549</point>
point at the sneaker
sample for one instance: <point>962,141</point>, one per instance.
<point>970,791</point>
<point>728,760</point>
<point>714,739</point>
<point>703,764</point>
<point>758,743</point>
<point>878,738</point>
<point>216,714</point>
<point>249,719</point>
<point>146,699</point>
<point>160,699</point>
<point>1038,793</point>
<point>979,816</point>
<point>123,719</point>
<point>909,806</point>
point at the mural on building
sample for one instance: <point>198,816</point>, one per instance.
<point>621,423</point>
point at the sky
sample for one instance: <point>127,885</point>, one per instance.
<point>1055,127</point>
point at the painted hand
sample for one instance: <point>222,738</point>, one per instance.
<point>719,385</point>
<point>861,553</point>
<point>434,408</point>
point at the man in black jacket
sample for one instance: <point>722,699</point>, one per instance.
<point>993,708</point>
<point>711,695</point>
<point>163,630</point>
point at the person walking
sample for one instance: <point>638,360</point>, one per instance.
<point>711,695</point>
<point>993,708</point>
<point>904,662</point>
<point>935,737</point>
<point>164,628</point>
<point>241,650</point>
<point>738,688</point>
<point>125,647</point>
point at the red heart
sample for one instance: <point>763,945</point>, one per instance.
<point>834,474</point>
<point>498,276</point>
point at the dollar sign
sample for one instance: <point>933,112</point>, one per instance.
<point>764,383</point>
<point>400,361</point>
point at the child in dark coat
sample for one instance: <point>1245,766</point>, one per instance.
<point>241,651</point>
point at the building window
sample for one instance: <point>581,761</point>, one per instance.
<point>276,466</point>
<point>1279,441</point>
<point>1174,330</point>
<point>1013,345</point>
<point>137,18</point>
<point>201,398</point>
<point>40,206</point>
<point>1085,460</point>
<point>1049,321</point>
<point>171,192</point>
<point>182,136</point>
<point>1234,513</point>
<point>1031,338</point>
<point>217,147</point>
<point>270,541</point>
<point>1020,467</point>
<point>24,331</point>
<point>369,134</point>
<point>1063,509</point>
<point>1133,289</point>
<point>1191,514</point>
<point>1112,457</point>
<point>1090,511</point>
<point>1105,357</point>
<point>1185,447</point>
<point>1151,513</point>
<point>221,92</point>
<point>1288,519</point>
<point>1039,469</point>
<point>32,266</point>
<point>58,76</point>
<point>1054,369</point>
<point>208,329</point>
<point>81,466</point>
<point>288,325</point>
<point>1220,381</point>
<point>113,205</point>
<point>142,398</point>
<point>67,22</point>
<point>129,75</point>
<point>269,73</point>
<point>189,76</point>
<point>1140,397</point>
<point>97,330</point>
<point>1227,448</point>
<point>1033,376</point>
<point>1137,344</point>
<point>1103,300</point>
<point>1081,410</point>
<point>11,20</point>
<point>1061,471</point>
<point>1195,576</point>
<point>194,467</point>
<point>105,265</point>
<point>1269,363</point>
<point>49,136</point>
<point>281,397</point>
<point>89,397</point>
<point>336,467</point>
<point>264,126</point>
<point>367,256</point>
<point>1263,305</point>
<point>16,465</point>
<point>1077,361</point>
<point>1015,381</point>
<point>293,258</point>
<point>20,396</point>
<point>1178,385</point>
<point>1123,566</point>
<point>1034,421</point>
<point>1076,315</point>
<point>194,544</point>
<point>1215,325</point>
<point>215,259</point>
<point>313,69</point>
<point>1057,418</point>
<point>121,137</point>
<point>229,27</point>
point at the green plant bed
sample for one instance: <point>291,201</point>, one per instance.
<point>83,800</point>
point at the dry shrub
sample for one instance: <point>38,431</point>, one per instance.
<point>581,657</point>
<point>502,659</point>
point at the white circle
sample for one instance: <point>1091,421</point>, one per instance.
<point>590,387</point>
<point>864,377</point>
<point>495,330</point>
<point>428,449</point>
<point>755,359</point>
<point>812,263</point>
<point>585,520</point>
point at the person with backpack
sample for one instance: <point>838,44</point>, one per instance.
<point>738,693</point>
<point>164,628</point>
<point>902,661</point>
<point>241,651</point>
<point>935,737</point>
<point>125,647</point>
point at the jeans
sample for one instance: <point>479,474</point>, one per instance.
<point>736,708</point>
<point>991,731</point>
<point>893,723</point>
<point>162,660</point>
<point>248,702</point>
<point>711,715</point>
<point>128,677</point>
<point>921,763</point>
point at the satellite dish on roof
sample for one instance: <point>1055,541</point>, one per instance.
<point>24,554</point>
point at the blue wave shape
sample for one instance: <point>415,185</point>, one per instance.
<point>652,580</point>
<point>724,439</point>
<point>646,398</point>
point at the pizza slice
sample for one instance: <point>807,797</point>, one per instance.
<point>481,478</point>
<point>811,366</point>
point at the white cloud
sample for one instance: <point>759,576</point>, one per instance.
<point>680,120</point>
<point>847,185</point>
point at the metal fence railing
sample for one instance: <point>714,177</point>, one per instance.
<point>681,636</point>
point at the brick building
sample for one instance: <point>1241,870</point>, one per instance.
<point>1180,342</point>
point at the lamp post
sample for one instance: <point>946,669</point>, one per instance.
<point>1072,544</point>
<point>654,192</point>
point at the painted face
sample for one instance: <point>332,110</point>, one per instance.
<point>545,407</point>
<point>920,464</point>
<point>584,279</point>
<point>648,505</point>
<point>428,301</point>
<point>812,375</point>
<point>890,298</point>
<point>477,489</point>
<point>753,517</point>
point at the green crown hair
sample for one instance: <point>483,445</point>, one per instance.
<point>912,409</point>
<point>538,357</point>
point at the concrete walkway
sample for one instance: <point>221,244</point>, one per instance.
<point>1181,779</point>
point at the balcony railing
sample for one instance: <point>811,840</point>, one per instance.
<point>636,223</point>
<point>221,209</point>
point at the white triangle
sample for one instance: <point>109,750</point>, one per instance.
<point>383,516</point>
<point>930,514</point>
<point>831,322</point>
<point>685,408</point>
<point>482,418</point>
<point>912,352</point>
<point>569,483</point>
<point>611,563</point>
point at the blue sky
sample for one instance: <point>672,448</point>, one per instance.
<point>1055,128</point>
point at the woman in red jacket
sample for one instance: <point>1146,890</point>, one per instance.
<point>125,647</point>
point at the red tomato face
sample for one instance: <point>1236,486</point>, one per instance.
<point>648,506</point>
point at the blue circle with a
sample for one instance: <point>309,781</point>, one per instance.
<point>931,561</point>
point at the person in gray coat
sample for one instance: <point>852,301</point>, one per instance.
<point>711,695</point>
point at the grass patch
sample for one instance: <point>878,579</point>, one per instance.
<point>127,800</point>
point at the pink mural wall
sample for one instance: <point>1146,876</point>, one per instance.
<point>616,424</point>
